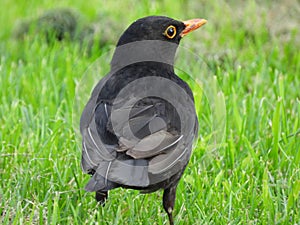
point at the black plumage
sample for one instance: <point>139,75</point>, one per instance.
<point>140,122</point>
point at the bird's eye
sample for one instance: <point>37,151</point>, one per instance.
<point>170,32</point>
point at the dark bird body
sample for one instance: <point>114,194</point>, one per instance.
<point>140,122</point>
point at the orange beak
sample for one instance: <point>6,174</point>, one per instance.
<point>191,25</point>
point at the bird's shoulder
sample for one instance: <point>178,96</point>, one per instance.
<point>117,80</point>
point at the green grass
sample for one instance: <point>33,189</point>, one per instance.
<point>252,176</point>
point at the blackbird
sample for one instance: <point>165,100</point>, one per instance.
<point>139,124</point>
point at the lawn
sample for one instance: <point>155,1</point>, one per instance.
<point>245,167</point>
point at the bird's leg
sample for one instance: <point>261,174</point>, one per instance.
<point>101,197</point>
<point>169,201</point>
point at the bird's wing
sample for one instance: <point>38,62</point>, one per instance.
<point>100,157</point>
<point>152,131</point>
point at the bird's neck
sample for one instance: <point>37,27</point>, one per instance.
<point>144,52</point>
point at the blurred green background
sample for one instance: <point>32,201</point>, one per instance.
<point>250,47</point>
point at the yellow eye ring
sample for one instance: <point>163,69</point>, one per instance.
<point>170,32</point>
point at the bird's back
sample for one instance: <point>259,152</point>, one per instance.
<point>140,129</point>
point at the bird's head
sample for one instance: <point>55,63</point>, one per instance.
<point>152,39</point>
<point>159,28</point>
